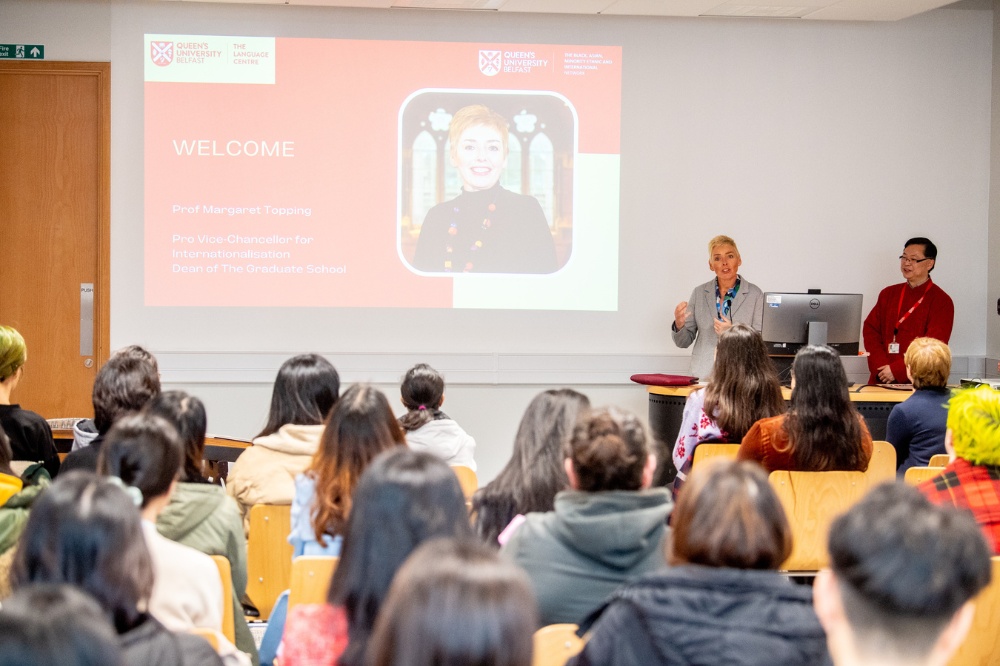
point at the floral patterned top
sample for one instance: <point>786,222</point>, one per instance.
<point>315,635</point>
<point>696,427</point>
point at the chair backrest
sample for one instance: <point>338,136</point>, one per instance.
<point>705,451</point>
<point>269,555</point>
<point>467,479</point>
<point>939,460</point>
<point>9,486</point>
<point>917,475</point>
<point>811,501</point>
<point>228,619</point>
<point>982,645</point>
<point>311,576</point>
<point>882,466</point>
<point>210,635</point>
<point>555,644</point>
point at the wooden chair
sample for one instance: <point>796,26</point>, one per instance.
<point>882,466</point>
<point>939,460</point>
<point>467,479</point>
<point>705,451</point>
<point>311,576</point>
<point>811,501</point>
<point>982,645</point>
<point>917,475</point>
<point>210,635</point>
<point>269,555</point>
<point>555,644</point>
<point>228,619</point>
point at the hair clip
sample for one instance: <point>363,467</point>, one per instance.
<point>134,493</point>
<point>422,408</point>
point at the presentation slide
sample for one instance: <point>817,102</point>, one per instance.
<point>350,173</point>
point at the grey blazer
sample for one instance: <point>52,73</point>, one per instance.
<point>747,308</point>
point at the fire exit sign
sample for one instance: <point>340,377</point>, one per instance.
<point>22,52</point>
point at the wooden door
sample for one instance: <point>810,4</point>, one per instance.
<point>55,128</point>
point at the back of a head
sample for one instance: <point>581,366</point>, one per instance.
<point>85,531</point>
<point>904,568</point>
<point>608,450</point>
<point>13,352</point>
<point>822,425</point>
<point>974,422</point>
<point>403,499</point>
<point>46,624</point>
<point>422,391</point>
<point>928,361</point>
<point>140,353</point>
<point>144,452</point>
<point>534,474</point>
<point>727,515</point>
<point>456,603</point>
<point>186,414</point>
<point>361,426</point>
<point>124,384</point>
<point>305,390</point>
<point>745,386</point>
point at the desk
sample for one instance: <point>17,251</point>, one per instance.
<point>666,408</point>
<point>217,449</point>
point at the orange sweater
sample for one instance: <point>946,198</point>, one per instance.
<point>767,443</point>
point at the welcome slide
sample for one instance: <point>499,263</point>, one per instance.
<point>348,173</point>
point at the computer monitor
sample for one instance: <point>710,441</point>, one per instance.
<point>792,321</point>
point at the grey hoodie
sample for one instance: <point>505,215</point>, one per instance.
<point>588,546</point>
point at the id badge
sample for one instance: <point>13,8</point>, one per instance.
<point>893,347</point>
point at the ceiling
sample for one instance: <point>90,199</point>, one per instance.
<point>814,10</point>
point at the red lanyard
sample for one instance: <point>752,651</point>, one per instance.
<point>910,311</point>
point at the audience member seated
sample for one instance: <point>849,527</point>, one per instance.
<point>43,625</point>
<point>916,426</point>
<point>744,388</point>
<point>30,435</point>
<point>123,385</point>
<point>530,480</point>
<point>456,602</point>
<point>902,576</point>
<point>305,390</point>
<point>822,431</point>
<point>200,515</point>
<point>85,430</point>
<point>403,499</point>
<point>972,479</point>
<point>8,477</point>
<point>14,512</point>
<point>722,600</point>
<point>607,528</point>
<point>427,427</point>
<point>86,531</point>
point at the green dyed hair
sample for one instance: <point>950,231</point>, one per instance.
<point>13,352</point>
<point>974,421</point>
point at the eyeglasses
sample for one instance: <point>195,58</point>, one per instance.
<point>912,260</point>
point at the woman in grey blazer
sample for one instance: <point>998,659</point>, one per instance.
<point>715,306</point>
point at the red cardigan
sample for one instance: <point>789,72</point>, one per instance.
<point>767,443</point>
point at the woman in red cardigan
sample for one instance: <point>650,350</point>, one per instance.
<point>821,431</point>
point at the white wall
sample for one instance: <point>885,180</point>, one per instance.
<point>820,146</point>
<point>993,294</point>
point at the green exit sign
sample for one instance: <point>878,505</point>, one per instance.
<point>22,52</point>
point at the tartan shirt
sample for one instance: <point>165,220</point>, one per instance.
<point>972,487</point>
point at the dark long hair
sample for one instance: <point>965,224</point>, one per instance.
<point>85,531</point>
<point>403,499</point>
<point>361,426</point>
<point>144,452</point>
<point>187,414</point>
<point>744,387</point>
<point>306,388</point>
<point>822,425</point>
<point>534,474</point>
<point>422,391</point>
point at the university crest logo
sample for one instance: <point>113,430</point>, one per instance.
<point>162,53</point>
<point>489,62</point>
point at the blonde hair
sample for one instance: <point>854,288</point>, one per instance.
<point>722,239</point>
<point>974,422</point>
<point>929,362</point>
<point>13,352</point>
<point>475,115</point>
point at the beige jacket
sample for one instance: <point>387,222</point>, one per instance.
<point>265,472</point>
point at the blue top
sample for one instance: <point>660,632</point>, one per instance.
<point>916,427</point>
<point>303,538</point>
